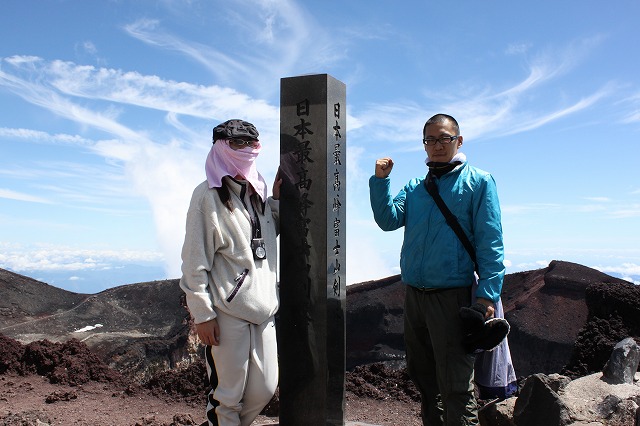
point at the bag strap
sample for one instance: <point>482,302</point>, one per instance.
<point>432,188</point>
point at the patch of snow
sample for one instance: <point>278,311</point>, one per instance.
<point>87,328</point>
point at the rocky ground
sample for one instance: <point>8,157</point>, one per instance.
<point>25,400</point>
<point>65,383</point>
<point>565,318</point>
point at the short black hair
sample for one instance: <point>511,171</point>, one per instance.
<point>442,118</point>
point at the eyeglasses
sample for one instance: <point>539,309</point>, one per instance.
<point>444,140</point>
<point>241,143</point>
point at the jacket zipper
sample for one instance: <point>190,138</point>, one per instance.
<point>239,281</point>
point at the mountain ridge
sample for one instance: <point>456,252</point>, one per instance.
<point>144,327</point>
<point>136,342</point>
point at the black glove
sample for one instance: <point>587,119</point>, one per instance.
<point>481,334</point>
<point>473,318</point>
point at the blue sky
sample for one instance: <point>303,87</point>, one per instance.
<point>107,110</point>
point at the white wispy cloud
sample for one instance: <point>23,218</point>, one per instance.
<point>13,195</point>
<point>40,92</point>
<point>492,111</point>
<point>527,266</point>
<point>628,271</point>
<point>273,37</point>
<point>143,164</point>
<point>94,187</point>
<point>632,105</point>
<point>378,121</point>
<point>624,269</point>
<point>540,121</point>
<point>222,65</point>
<point>132,88</point>
<point>626,211</point>
<point>162,165</point>
<point>517,48</point>
<point>57,85</point>
<point>37,136</point>
<point>514,209</point>
<point>614,260</point>
<point>606,207</point>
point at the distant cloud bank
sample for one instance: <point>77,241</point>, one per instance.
<point>49,258</point>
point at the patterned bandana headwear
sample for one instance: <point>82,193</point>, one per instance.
<point>225,161</point>
<point>235,129</point>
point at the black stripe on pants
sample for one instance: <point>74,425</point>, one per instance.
<point>213,382</point>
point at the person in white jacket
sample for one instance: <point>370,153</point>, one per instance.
<point>229,275</point>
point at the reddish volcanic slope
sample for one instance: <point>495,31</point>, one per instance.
<point>564,318</point>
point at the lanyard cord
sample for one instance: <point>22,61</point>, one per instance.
<point>256,231</point>
<point>255,220</point>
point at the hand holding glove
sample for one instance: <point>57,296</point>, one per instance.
<point>481,334</point>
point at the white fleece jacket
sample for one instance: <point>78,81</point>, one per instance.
<point>218,268</point>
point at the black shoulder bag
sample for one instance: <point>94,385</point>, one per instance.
<point>478,333</point>
<point>451,219</point>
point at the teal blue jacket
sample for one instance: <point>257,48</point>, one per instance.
<point>432,256</point>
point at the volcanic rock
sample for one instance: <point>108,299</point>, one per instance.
<point>546,309</point>
<point>138,329</point>
<point>614,314</point>
<point>375,322</point>
<point>565,318</point>
<point>540,404</point>
<point>623,362</point>
<point>145,327</point>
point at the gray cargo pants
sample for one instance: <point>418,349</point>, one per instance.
<point>436,360</point>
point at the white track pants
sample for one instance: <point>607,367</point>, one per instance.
<point>242,370</point>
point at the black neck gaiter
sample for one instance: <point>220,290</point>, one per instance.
<point>440,169</point>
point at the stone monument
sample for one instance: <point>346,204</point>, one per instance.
<point>311,320</point>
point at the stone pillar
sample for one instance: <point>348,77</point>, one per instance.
<point>311,320</point>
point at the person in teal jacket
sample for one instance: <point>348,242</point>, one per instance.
<point>438,271</point>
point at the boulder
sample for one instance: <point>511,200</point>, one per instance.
<point>623,362</point>
<point>539,403</point>
<point>592,399</point>
<point>614,314</point>
<point>556,400</point>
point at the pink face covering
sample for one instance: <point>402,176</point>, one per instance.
<point>225,161</point>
